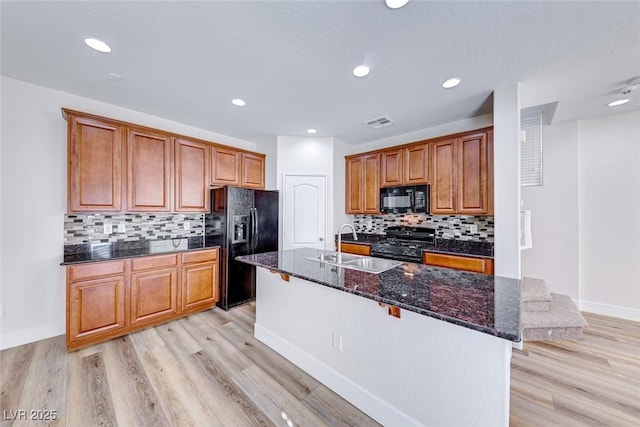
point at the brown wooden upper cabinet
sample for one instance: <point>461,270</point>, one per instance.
<point>252,170</point>
<point>231,167</point>
<point>191,176</point>
<point>363,184</point>
<point>405,166</point>
<point>94,169</point>
<point>226,166</point>
<point>148,171</point>
<point>461,179</point>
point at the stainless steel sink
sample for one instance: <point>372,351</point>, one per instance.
<point>357,262</point>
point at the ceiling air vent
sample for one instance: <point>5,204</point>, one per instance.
<point>380,122</point>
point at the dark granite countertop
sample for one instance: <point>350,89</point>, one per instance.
<point>488,304</point>
<point>442,245</point>
<point>92,252</point>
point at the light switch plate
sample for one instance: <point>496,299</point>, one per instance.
<point>122,227</point>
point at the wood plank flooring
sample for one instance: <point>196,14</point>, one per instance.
<point>208,370</point>
<point>590,382</point>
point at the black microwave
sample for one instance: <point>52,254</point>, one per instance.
<point>406,199</point>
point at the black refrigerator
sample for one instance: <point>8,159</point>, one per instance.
<point>241,221</point>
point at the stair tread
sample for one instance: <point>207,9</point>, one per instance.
<point>562,313</point>
<point>533,289</point>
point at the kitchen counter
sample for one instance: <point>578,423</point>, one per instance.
<point>442,245</point>
<point>487,304</point>
<point>413,346</point>
<point>92,252</point>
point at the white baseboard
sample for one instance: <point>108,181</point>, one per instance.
<point>26,336</point>
<point>610,310</point>
<point>367,402</point>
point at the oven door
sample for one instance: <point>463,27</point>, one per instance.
<point>397,257</point>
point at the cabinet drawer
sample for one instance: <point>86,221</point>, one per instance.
<point>200,256</point>
<point>158,261</point>
<point>95,269</point>
<point>477,265</point>
<point>355,248</point>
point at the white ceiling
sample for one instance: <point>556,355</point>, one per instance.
<point>292,61</point>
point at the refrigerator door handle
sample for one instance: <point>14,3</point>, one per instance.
<point>254,228</point>
<point>256,232</point>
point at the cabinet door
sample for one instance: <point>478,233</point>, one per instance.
<point>354,248</point>
<point>192,176</point>
<point>458,262</point>
<point>416,164</point>
<point>252,171</point>
<point>94,165</point>
<point>443,181</point>
<point>371,182</point>
<point>225,166</point>
<point>354,185</point>
<point>148,172</point>
<point>154,295</point>
<point>199,285</point>
<point>392,173</point>
<point>95,309</point>
<point>472,191</point>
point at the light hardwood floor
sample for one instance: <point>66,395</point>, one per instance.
<point>208,370</point>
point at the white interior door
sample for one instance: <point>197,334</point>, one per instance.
<point>304,211</point>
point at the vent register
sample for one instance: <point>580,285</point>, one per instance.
<point>380,122</point>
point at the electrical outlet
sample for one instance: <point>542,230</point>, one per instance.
<point>473,228</point>
<point>337,341</point>
<point>108,228</point>
<point>122,227</point>
<point>187,225</point>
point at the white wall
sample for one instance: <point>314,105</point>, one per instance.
<point>506,173</point>
<point>554,207</point>
<point>309,155</point>
<point>610,215</point>
<point>422,134</point>
<point>586,216</point>
<point>270,149</point>
<point>33,202</point>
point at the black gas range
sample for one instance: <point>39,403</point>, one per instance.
<point>405,243</point>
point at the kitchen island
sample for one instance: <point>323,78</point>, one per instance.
<point>414,345</point>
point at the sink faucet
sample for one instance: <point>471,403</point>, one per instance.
<point>355,237</point>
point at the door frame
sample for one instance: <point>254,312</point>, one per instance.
<point>283,191</point>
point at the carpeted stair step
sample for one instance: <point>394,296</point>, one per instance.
<point>535,294</point>
<point>563,321</point>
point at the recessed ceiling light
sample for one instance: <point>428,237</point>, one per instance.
<point>239,102</point>
<point>451,83</point>
<point>395,4</point>
<point>618,102</point>
<point>311,131</point>
<point>98,45</point>
<point>361,71</point>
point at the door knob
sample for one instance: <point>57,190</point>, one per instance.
<point>321,239</point>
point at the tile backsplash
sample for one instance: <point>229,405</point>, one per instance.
<point>447,226</point>
<point>89,228</point>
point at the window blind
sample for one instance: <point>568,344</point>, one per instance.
<point>531,150</point>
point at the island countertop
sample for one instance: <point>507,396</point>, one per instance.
<point>489,304</point>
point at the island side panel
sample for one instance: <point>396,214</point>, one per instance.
<point>412,370</point>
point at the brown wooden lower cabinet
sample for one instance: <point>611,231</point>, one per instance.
<point>459,262</point>
<point>199,274</point>
<point>355,248</point>
<point>112,298</point>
